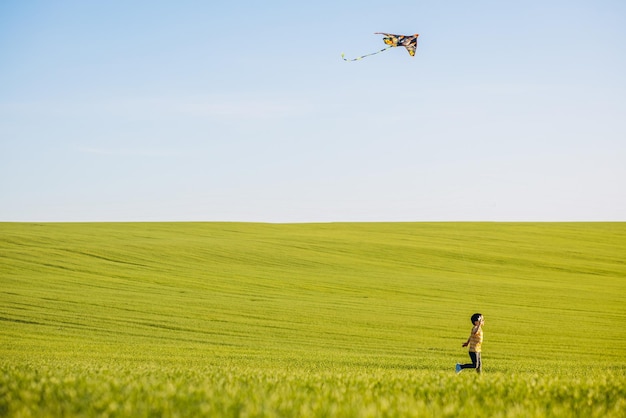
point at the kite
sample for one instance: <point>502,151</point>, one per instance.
<point>407,41</point>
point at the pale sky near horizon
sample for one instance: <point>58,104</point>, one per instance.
<point>245,111</point>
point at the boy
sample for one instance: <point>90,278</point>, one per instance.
<point>474,341</point>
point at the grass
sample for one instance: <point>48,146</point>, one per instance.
<point>241,319</point>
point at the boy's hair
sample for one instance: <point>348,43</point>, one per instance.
<point>476,317</point>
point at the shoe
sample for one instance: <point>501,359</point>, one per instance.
<point>458,368</point>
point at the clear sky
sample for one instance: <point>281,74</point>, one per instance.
<point>245,111</point>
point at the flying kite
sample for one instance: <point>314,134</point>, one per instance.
<point>407,41</point>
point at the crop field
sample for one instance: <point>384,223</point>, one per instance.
<point>311,320</point>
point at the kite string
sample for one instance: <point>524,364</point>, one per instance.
<point>363,56</point>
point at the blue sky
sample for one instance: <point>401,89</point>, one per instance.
<point>245,111</point>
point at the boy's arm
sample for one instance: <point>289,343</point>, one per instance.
<point>474,331</point>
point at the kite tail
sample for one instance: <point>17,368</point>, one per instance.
<point>363,56</point>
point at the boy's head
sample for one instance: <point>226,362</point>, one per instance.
<point>476,317</point>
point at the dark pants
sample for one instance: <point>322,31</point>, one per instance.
<point>475,364</point>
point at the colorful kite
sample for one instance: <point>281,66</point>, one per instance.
<point>407,41</point>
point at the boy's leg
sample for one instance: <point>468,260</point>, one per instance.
<point>471,365</point>
<point>479,363</point>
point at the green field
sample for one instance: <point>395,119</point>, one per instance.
<point>340,319</point>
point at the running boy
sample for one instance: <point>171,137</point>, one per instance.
<point>474,341</point>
